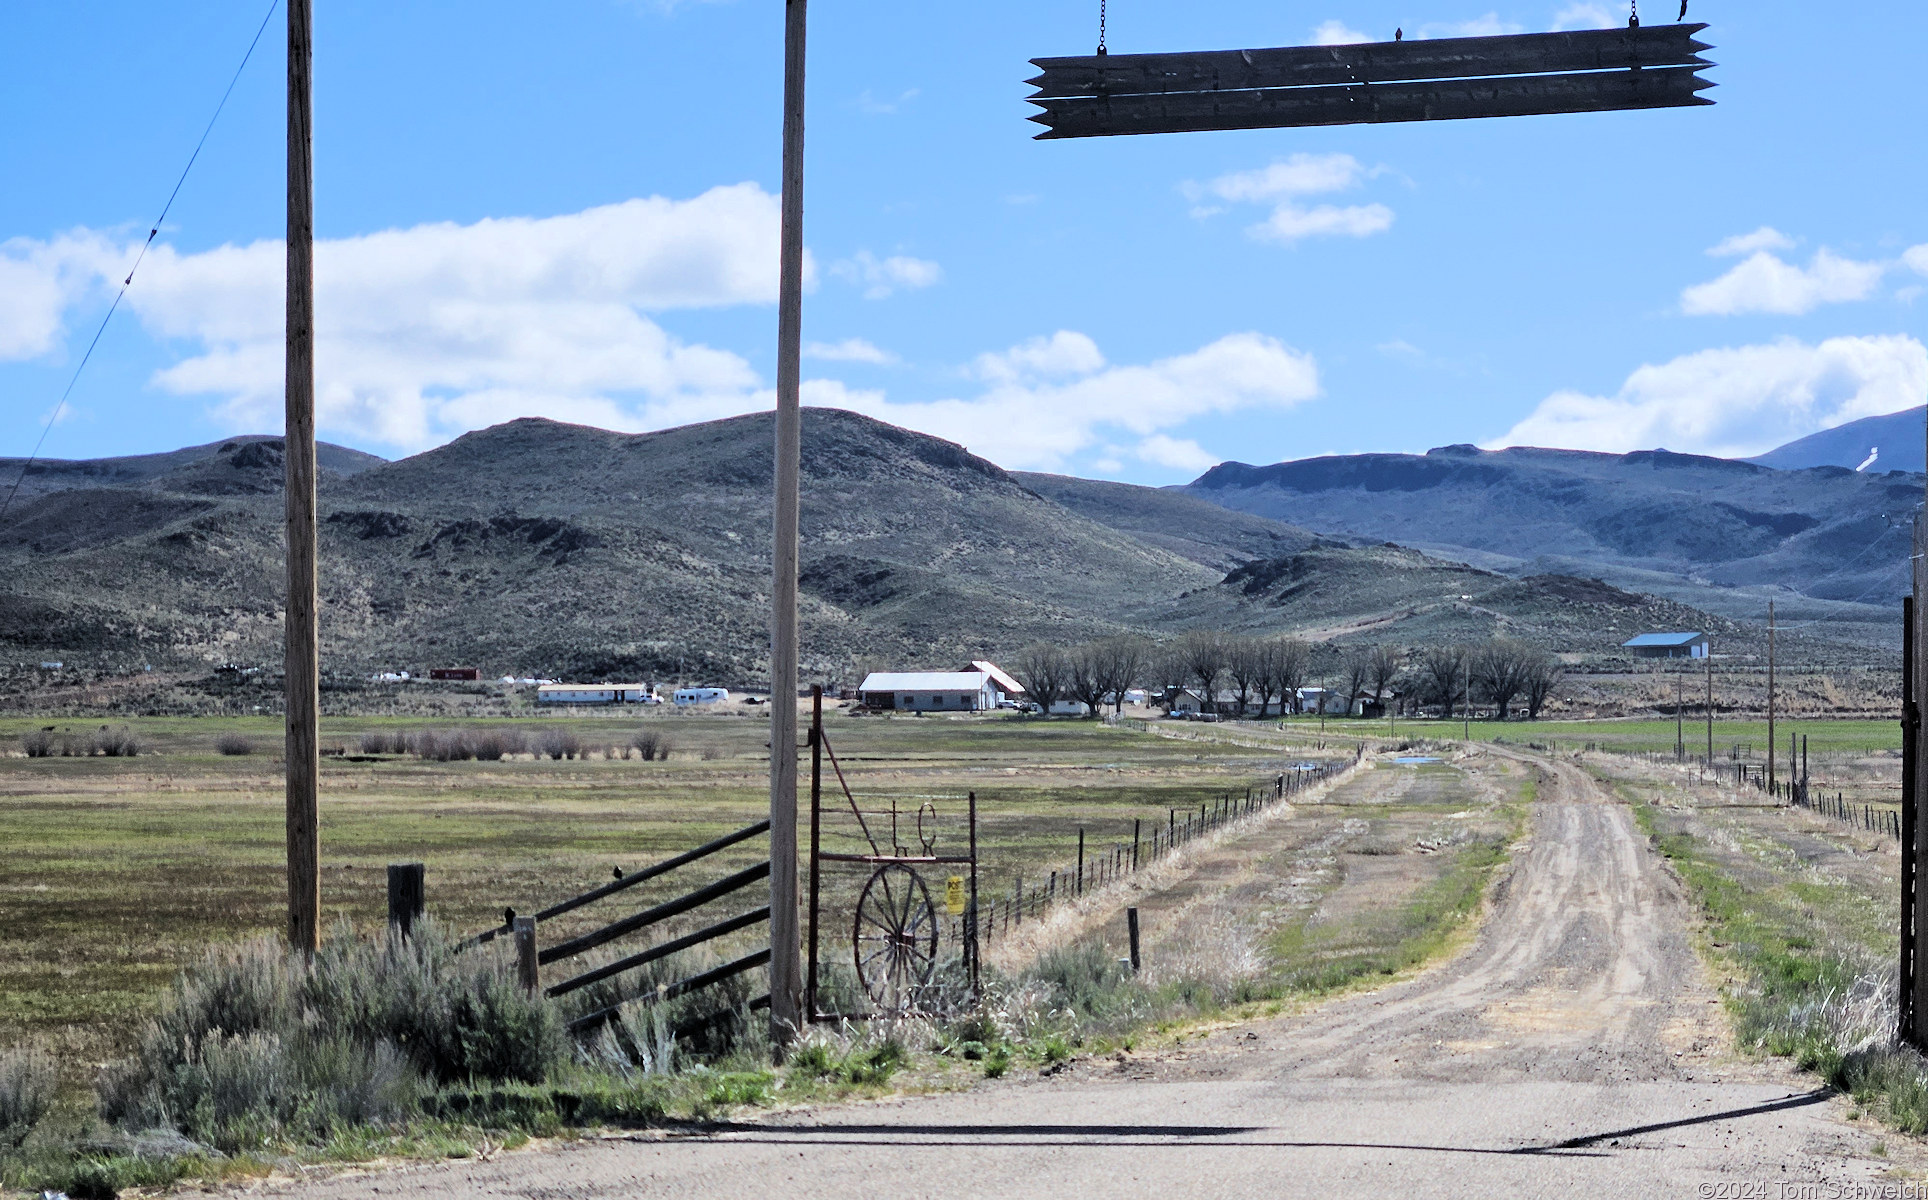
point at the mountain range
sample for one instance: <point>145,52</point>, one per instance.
<point>540,548</point>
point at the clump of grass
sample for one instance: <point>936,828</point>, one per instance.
<point>28,1079</point>
<point>233,745</point>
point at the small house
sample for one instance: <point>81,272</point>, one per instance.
<point>1068,708</point>
<point>929,691</point>
<point>1667,645</point>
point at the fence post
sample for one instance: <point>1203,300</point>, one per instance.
<point>1080,883</point>
<point>407,895</point>
<point>1131,927</point>
<point>525,953</point>
<point>1135,823</point>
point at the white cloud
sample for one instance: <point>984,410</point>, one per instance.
<point>1181,453</point>
<point>1736,401</point>
<point>1281,183</point>
<point>879,277</point>
<point>1587,16</point>
<point>1063,354</point>
<point>868,102</point>
<point>1915,258</point>
<point>849,350</point>
<point>1765,238</point>
<point>1337,33</point>
<point>1037,418</point>
<point>1300,175</point>
<point>1765,283</point>
<point>427,331</point>
<point>1288,223</point>
<point>1489,25</point>
<point>38,280</point>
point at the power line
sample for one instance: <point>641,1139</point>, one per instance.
<point>139,258</point>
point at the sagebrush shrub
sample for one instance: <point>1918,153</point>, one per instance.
<point>254,1042</point>
<point>28,1079</point>
<point>39,744</point>
<point>233,744</point>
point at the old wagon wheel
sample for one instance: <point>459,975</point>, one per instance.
<point>895,937</point>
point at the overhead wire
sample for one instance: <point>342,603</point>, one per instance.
<point>139,258</point>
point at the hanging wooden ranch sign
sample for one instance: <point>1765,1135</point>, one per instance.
<point>1527,74</point>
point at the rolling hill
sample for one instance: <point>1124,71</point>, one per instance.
<point>1894,442</point>
<point>538,548</point>
<point>1831,544</point>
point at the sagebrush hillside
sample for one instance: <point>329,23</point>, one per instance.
<point>538,548</point>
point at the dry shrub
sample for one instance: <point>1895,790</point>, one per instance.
<point>39,744</point>
<point>387,741</point>
<point>653,744</point>
<point>254,1043</point>
<point>28,1079</point>
<point>114,743</point>
<point>558,744</point>
<point>493,745</point>
<point>233,744</point>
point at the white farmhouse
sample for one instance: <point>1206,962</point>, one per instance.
<point>929,691</point>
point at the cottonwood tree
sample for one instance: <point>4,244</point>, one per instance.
<point>1244,662</point>
<point>1087,676</point>
<point>1500,668</point>
<point>1126,661</point>
<point>1043,671</point>
<point>1202,654</point>
<point>1355,668</point>
<point>1288,662</point>
<point>1383,665</point>
<point>1543,674</point>
<point>1442,676</point>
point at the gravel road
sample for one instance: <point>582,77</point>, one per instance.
<point>1574,1049</point>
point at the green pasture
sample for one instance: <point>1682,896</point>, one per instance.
<point>1832,737</point>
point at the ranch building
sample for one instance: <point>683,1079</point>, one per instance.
<point>1667,645</point>
<point>929,691</point>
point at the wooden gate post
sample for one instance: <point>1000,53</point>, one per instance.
<point>1131,929</point>
<point>786,982</point>
<point>525,953</point>
<point>407,895</point>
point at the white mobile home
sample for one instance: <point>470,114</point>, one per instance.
<point>929,691</point>
<point>700,695</point>
<point>596,693</point>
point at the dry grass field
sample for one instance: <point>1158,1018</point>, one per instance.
<point>119,869</point>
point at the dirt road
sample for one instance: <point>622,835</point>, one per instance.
<point>1575,1049</point>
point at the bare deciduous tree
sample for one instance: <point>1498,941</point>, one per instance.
<point>1442,676</point>
<point>1543,674</point>
<point>1500,668</point>
<point>1127,659</point>
<point>1042,671</point>
<point>1355,668</point>
<point>1088,675</point>
<point>1291,663</point>
<point>1244,662</point>
<point>1383,665</point>
<point>1202,654</point>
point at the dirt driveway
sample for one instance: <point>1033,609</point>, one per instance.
<point>1575,1049</point>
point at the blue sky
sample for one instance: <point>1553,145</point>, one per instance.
<point>569,210</point>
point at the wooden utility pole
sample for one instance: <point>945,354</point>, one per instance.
<point>1770,698</point>
<point>786,984</point>
<point>1680,709</point>
<point>1710,704</point>
<point>302,670</point>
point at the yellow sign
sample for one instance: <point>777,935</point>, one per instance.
<point>954,895</point>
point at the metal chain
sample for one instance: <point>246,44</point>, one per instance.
<point>1101,26</point>
<point>1633,21</point>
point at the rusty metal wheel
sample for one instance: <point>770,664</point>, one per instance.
<point>895,937</point>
